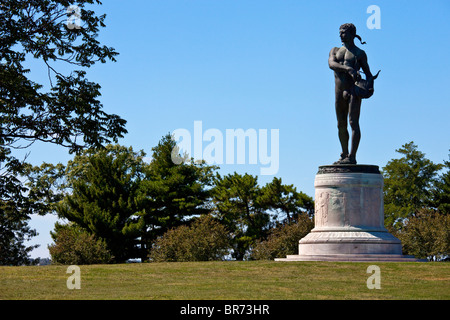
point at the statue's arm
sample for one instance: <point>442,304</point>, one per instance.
<point>364,65</point>
<point>334,64</point>
<point>337,67</point>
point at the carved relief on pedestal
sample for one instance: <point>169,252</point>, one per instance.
<point>321,208</point>
<point>337,210</point>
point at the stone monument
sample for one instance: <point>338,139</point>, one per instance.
<point>349,211</point>
<point>349,218</point>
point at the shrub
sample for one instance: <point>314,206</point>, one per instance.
<point>283,239</point>
<point>74,245</point>
<point>426,235</point>
<point>205,240</point>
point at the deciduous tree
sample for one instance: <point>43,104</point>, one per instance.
<point>73,245</point>
<point>426,235</point>
<point>408,182</point>
<point>204,240</point>
<point>65,111</point>
<point>283,239</point>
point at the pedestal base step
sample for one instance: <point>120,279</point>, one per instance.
<point>353,258</point>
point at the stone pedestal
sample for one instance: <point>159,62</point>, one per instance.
<point>349,218</point>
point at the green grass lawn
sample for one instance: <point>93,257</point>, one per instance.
<point>229,280</point>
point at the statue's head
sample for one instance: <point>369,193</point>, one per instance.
<point>347,33</point>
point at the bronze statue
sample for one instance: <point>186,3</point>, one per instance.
<point>350,88</point>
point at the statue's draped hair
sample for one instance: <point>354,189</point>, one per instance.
<point>351,27</point>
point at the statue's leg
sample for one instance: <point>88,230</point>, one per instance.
<point>342,109</point>
<point>354,112</point>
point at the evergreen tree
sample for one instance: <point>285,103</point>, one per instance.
<point>113,194</point>
<point>236,200</point>
<point>175,190</point>
<point>105,197</point>
<point>286,200</point>
<point>441,191</point>
<point>246,209</point>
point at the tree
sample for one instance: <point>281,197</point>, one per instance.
<point>44,185</point>
<point>70,111</point>
<point>441,191</point>
<point>236,200</point>
<point>14,214</point>
<point>426,235</point>
<point>117,197</point>
<point>408,183</point>
<point>175,191</point>
<point>285,199</point>
<point>14,232</point>
<point>66,112</point>
<point>204,240</point>
<point>247,209</point>
<point>105,197</point>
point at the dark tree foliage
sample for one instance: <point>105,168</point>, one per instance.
<point>14,229</point>
<point>175,190</point>
<point>441,191</point>
<point>128,203</point>
<point>66,111</point>
<point>237,205</point>
<point>408,184</point>
<point>103,197</point>
<point>250,211</point>
<point>69,114</point>
<point>286,200</point>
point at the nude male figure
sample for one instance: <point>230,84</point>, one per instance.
<point>345,62</point>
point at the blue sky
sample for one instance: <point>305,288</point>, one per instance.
<point>262,64</point>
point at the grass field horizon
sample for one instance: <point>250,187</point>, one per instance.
<point>228,280</point>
